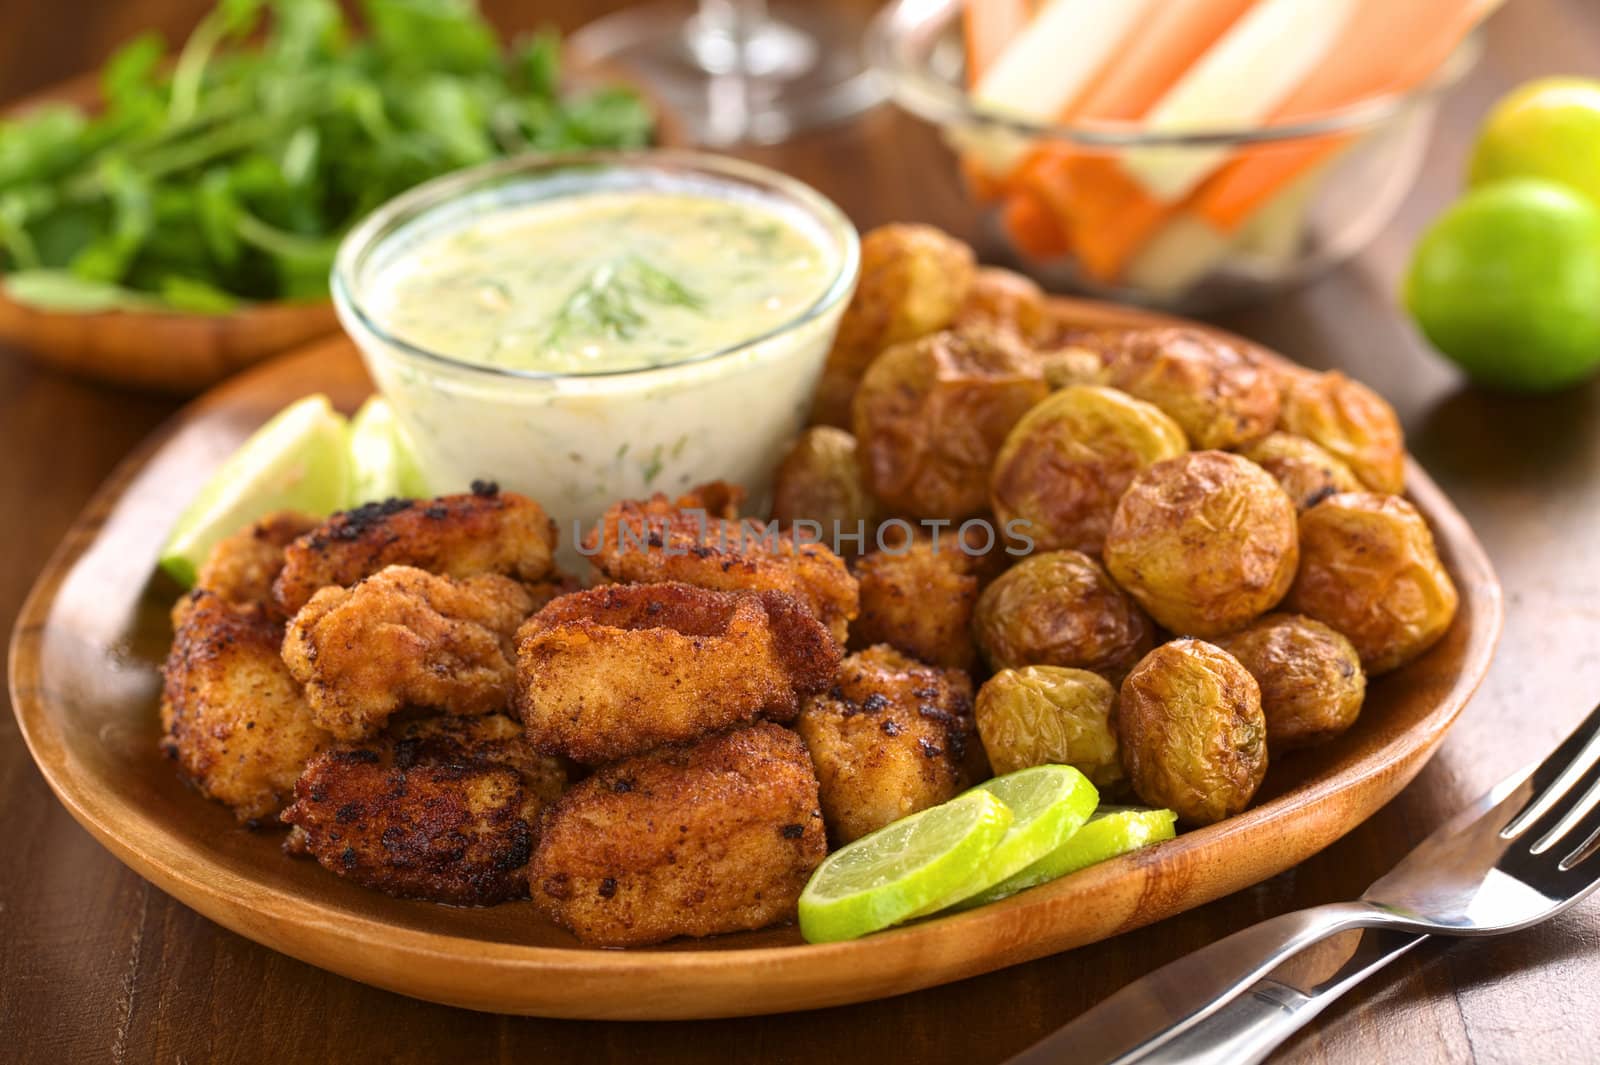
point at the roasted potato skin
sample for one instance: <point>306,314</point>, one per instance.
<point>1004,299</point>
<point>691,840</point>
<point>914,280</point>
<point>1192,733</point>
<point>1205,542</point>
<point>1060,608</point>
<point>1369,569</point>
<point>820,480</point>
<point>1042,715</point>
<point>931,415</point>
<point>1219,396</point>
<point>919,599</point>
<point>1311,680</point>
<point>1068,461</point>
<point>892,737</point>
<point>1351,422</point>
<point>1305,470</point>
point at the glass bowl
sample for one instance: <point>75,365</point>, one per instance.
<point>578,442</point>
<point>1249,212</point>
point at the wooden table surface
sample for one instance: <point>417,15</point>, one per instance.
<point>96,965</point>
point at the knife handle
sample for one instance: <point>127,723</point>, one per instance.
<point>1247,1030</point>
<point>1160,1006</point>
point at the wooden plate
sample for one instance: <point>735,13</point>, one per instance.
<point>84,681</point>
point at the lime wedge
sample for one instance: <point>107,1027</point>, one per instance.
<point>1048,803</point>
<point>297,461</point>
<point>1113,830</point>
<point>383,463</point>
<point>886,877</point>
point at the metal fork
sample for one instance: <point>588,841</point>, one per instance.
<point>1517,856</point>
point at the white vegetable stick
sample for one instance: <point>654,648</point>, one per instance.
<point>1241,81</point>
<point>1046,66</point>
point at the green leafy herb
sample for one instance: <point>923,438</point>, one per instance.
<point>607,303</point>
<point>230,175</point>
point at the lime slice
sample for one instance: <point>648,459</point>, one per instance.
<point>1048,803</point>
<point>297,461</point>
<point>884,878</point>
<point>383,462</point>
<point>1113,830</point>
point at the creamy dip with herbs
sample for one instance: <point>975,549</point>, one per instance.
<point>604,282</point>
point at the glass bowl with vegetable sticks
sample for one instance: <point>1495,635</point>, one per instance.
<point>1201,154</point>
<point>176,217</point>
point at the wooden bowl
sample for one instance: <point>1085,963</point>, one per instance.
<point>84,681</point>
<point>166,351</point>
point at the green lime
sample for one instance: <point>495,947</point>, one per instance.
<point>1048,803</point>
<point>1548,128</point>
<point>297,461</point>
<point>883,878</point>
<point>383,462</point>
<point>1506,283</point>
<point>1113,830</point>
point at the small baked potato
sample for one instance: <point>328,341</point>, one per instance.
<point>930,416</point>
<point>819,480</point>
<point>1220,397</point>
<point>914,279</point>
<point>1042,715</point>
<point>1369,568</point>
<point>1192,734</point>
<point>1205,542</point>
<point>1059,608</point>
<point>918,598</point>
<point>1311,680</point>
<point>1068,461</point>
<point>1305,470</point>
<point>1350,421</point>
<point>1005,299</point>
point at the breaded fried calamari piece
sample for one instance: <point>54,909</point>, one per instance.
<point>619,669</point>
<point>486,531</point>
<point>231,715</point>
<point>242,567</point>
<point>405,637</point>
<point>646,541</point>
<point>694,840</point>
<point>892,737</point>
<point>442,808</point>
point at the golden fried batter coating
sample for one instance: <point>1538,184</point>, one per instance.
<point>486,531</point>
<point>242,567</point>
<point>656,540</point>
<point>1214,391</point>
<point>619,669</point>
<point>919,598</point>
<point>914,279</point>
<point>444,809</point>
<point>716,836</point>
<point>892,737</point>
<point>406,637</point>
<point>231,715</point>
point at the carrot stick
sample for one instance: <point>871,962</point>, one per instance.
<point>1175,34</point>
<point>1387,46</point>
<point>1032,229</point>
<point>989,26</point>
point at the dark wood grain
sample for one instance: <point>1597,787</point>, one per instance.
<point>95,965</point>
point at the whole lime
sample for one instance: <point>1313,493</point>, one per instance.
<point>1507,284</point>
<point>1548,128</point>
